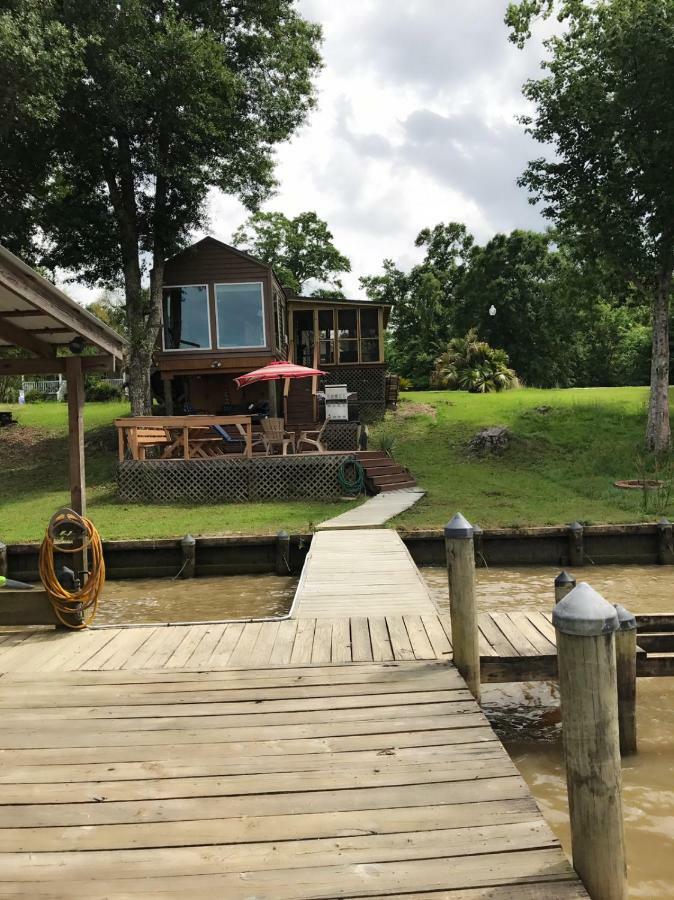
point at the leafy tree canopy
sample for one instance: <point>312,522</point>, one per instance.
<point>116,119</point>
<point>602,107</point>
<point>299,249</point>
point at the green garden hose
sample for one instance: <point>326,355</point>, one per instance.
<point>351,477</point>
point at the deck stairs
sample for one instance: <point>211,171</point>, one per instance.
<point>382,472</point>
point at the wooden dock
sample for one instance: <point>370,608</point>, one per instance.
<point>366,572</point>
<point>362,780</point>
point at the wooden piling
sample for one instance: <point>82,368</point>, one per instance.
<point>585,625</point>
<point>460,552</point>
<point>188,548</point>
<point>626,668</point>
<point>665,542</point>
<point>283,553</point>
<point>576,544</point>
<point>564,583</point>
<point>3,559</point>
<point>478,544</point>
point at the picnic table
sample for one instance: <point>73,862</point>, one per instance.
<point>184,437</point>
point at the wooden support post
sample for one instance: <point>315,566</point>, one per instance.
<point>478,543</point>
<point>188,548</point>
<point>462,604</point>
<point>665,542</point>
<point>283,553</point>
<point>585,625</point>
<point>168,396</point>
<point>3,559</point>
<point>75,380</point>
<point>563,584</point>
<point>576,549</point>
<point>272,388</point>
<point>626,667</point>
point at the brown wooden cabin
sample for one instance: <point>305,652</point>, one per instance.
<point>226,313</point>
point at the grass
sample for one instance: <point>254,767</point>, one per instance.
<point>34,484</point>
<point>568,447</point>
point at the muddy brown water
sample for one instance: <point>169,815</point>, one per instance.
<point>526,717</point>
<point>195,599</point>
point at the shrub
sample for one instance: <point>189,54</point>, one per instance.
<point>469,364</point>
<point>97,390</point>
<point>38,397</point>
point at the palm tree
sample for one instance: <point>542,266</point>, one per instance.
<point>469,364</point>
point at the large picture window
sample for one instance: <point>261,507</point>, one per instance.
<point>186,320</point>
<point>240,315</point>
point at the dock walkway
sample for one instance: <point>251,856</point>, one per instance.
<point>360,572</point>
<point>376,511</point>
<point>364,780</point>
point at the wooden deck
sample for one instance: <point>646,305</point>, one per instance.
<point>363,780</point>
<point>365,572</point>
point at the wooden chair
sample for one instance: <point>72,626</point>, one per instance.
<point>315,438</point>
<point>275,435</point>
<point>150,436</point>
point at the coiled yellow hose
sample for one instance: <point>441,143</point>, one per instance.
<point>83,603</point>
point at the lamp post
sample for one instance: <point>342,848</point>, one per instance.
<point>492,310</point>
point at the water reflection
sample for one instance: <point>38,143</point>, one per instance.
<point>526,717</point>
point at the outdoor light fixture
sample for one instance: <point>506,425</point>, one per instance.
<point>76,345</point>
<point>492,310</point>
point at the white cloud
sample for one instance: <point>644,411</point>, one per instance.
<point>416,124</point>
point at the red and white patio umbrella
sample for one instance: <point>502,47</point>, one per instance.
<point>276,371</point>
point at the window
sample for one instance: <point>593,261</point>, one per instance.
<point>369,335</point>
<point>326,336</point>
<point>240,315</point>
<point>347,320</point>
<point>186,321</point>
<point>304,337</point>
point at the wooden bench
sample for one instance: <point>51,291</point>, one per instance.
<point>147,436</point>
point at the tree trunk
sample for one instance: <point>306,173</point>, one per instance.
<point>658,434</point>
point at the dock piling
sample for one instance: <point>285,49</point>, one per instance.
<point>3,559</point>
<point>576,544</point>
<point>665,542</point>
<point>564,583</point>
<point>282,553</point>
<point>188,548</point>
<point>626,668</point>
<point>460,550</point>
<point>585,625</point>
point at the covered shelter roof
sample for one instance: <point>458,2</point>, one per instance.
<point>38,317</point>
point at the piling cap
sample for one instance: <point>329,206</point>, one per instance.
<point>282,535</point>
<point>188,541</point>
<point>477,530</point>
<point>564,578</point>
<point>664,521</point>
<point>459,528</point>
<point>584,612</point>
<point>626,619</point>
<point>575,526</point>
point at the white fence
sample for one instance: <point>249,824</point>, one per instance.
<point>52,387</point>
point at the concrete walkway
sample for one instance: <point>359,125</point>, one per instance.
<point>375,512</point>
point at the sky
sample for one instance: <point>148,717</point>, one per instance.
<point>416,123</point>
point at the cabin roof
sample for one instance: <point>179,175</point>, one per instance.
<point>333,301</point>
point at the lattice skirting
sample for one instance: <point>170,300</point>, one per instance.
<point>369,383</point>
<point>342,436</point>
<point>302,477</point>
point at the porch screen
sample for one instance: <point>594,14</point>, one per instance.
<point>186,325</point>
<point>240,315</point>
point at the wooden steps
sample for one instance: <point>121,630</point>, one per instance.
<point>382,473</point>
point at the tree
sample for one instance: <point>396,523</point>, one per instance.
<point>469,364</point>
<point>422,300</point>
<point>117,119</point>
<point>299,249</point>
<point>608,186</point>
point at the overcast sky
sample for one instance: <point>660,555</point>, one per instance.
<point>415,124</point>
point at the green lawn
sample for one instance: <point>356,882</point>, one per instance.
<point>560,466</point>
<point>34,483</point>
